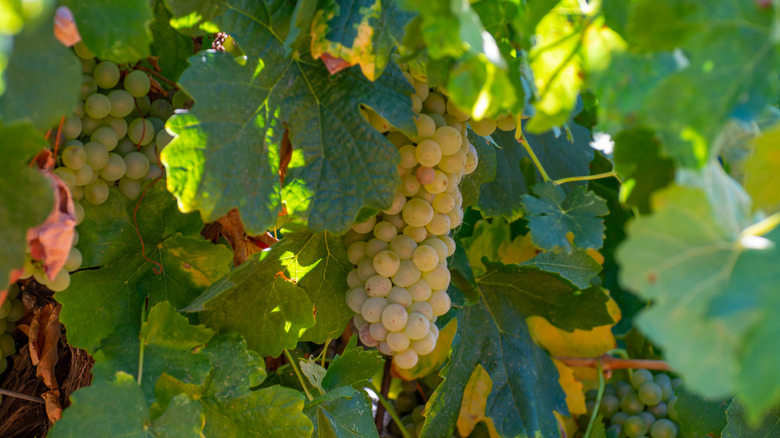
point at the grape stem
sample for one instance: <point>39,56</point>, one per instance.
<point>534,158</point>
<point>609,174</point>
<point>394,416</point>
<point>594,414</point>
<point>298,374</point>
<point>608,363</point>
<point>162,78</point>
<point>383,391</point>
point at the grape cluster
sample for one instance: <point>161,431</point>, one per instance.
<point>398,286</point>
<point>113,137</point>
<point>641,408</point>
<point>11,310</point>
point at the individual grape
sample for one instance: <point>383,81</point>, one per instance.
<point>650,393</point>
<point>613,431</point>
<point>453,181</point>
<point>355,299</point>
<point>425,195</point>
<point>88,87</point>
<point>634,426</point>
<point>439,183</point>
<point>122,103</point>
<point>5,308</point>
<point>438,278</point>
<point>428,153</point>
<point>137,165</point>
<point>426,127</point>
<point>97,155</point>
<point>417,326</point>
<point>161,109</point>
<point>372,308</point>
<point>648,417</point>
<point>365,268</point>
<point>663,429</point>
<point>7,344</point>
<point>84,175</point>
<point>71,127</point>
<point>420,291</point>
<point>416,103</point>
<point>662,378</point>
<point>403,245</point>
<point>408,156</point>
<point>425,345</point>
<point>366,226</point>
<point>79,212</point>
<point>106,74</point>
<point>114,169</point>
<point>443,203</point>
<point>439,225</point>
<point>394,317</point>
<point>364,333</point>
<point>454,163</point>
<point>406,359</point>
<point>386,263</point>
<point>396,219</point>
<point>619,418</point>
<point>440,302</point>
<point>385,231</point>
<point>398,205</point>
<point>356,252</point>
<point>609,388</point>
<point>418,234</point>
<point>137,83</point>
<point>78,109</point>
<point>140,131</point>
<point>74,260</point>
<point>378,331</point>
<point>506,122</point>
<point>158,124</point>
<point>434,104</point>
<point>77,193</point>
<point>409,185</point>
<point>449,140</point>
<point>472,160</point>
<point>609,406</point>
<point>399,295</point>
<point>82,51</point>
<point>483,127</point>
<point>425,175</point>
<point>353,279</point>
<point>425,258</point>
<point>417,212</point>
<point>622,389</point>
<point>631,404</point>
<point>659,410</point>
<point>456,112</point>
<point>384,348</point>
<point>97,106</point>
<point>449,242</point>
<point>375,245</point>
<point>641,376</point>
<point>671,408</point>
<point>422,307</point>
<point>96,192</point>
<point>397,341</point>
<point>117,124</point>
<point>89,125</point>
<point>67,176</point>
<point>456,217</point>
<point>407,274</point>
<point>378,286</point>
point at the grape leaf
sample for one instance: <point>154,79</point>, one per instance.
<point>109,242</point>
<point>26,197</point>
<point>761,171</point>
<point>353,367</point>
<point>117,408</point>
<point>126,40</point>
<point>170,46</point>
<point>553,214</point>
<point>430,363</point>
<point>638,161</point>
<point>475,395</point>
<point>739,426</point>
<point>360,32</point>
<point>15,19</point>
<point>343,417</point>
<point>578,266</point>
<point>484,173</point>
<point>699,416</point>
<point>194,17</point>
<point>548,295</point>
<point>227,154</point>
<point>710,283</point>
<point>42,79</point>
<point>524,395</point>
<point>575,399</point>
<point>503,195</point>
<point>486,239</point>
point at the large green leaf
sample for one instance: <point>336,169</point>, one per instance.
<point>578,266</point>
<point>710,284</point>
<point>26,196</point>
<point>117,408</point>
<point>15,19</point>
<point>353,367</point>
<point>43,79</point>
<point>170,46</point>
<point>362,32</point>
<point>122,277</point>
<point>344,417</point>
<point>525,393</point>
<point>553,214</point>
<point>484,173</point>
<point>126,39</point>
<point>740,427</point>
<point>638,161</point>
<point>227,151</point>
<point>698,415</point>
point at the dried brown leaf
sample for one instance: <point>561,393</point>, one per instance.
<point>53,407</point>
<point>43,337</point>
<point>65,29</point>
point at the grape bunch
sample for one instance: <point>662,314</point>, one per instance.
<point>112,138</point>
<point>11,310</point>
<point>641,408</point>
<point>398,286</point>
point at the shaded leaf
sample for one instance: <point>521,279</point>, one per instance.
<point>344,417</point>
<point>739,426</point>
<point>700,416</point>
<point>638,161</point>
<point>484,173</point>
<point>578,266</point>
<point>353,367</point>
<point>170,46</point>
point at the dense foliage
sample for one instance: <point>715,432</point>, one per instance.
<point>614,165</point>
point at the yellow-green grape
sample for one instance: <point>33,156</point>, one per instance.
<point>420,291</point>
<point>140,131</point>
<point>449,139</point>
<point>88,87</point>
<point>60,282</point>
<point>66,175</point>
<point>97,106</point>
<point>417,212</point>
<point>439,246</point>
<point>353,279</point>
<point>17,311</point>
<point>456,217</point>
<point>386,263</point>
<point>434,104</point>
<point>407,359</point>
<point>456,112</point>
<point>5,308</point>
<point>378,286</point>
<point>443,203</point>
<point>483,127</point>
<point>122,103</point>
<point>426,127</point>
<point>407,274</point>
<point>400,295</point>
<point>161,109</point>
<point>408,156</point>
<point>82,51</point>
<point>421,89</point>
<point>394,317</point>
<point>97,155</point>
<point>137,165</point>
<point>403,245</point>
<point>90,124</point>
<point>7,344</point>
<point>119,125</point>
<point>417,326</point>
<point>439,225</point>
<point>137,83</point>
<point>355,299</point>
<point>73,156</point>
<point>506,122</point>
<point>472,160</point>
<point>425,194</point>
<point>397,341</point>
<point>114,169</point>
<point>71,127</point>
<point>130,187</point>
<point>356,252</point>
<point>374,245</point>
<point>409,186</point>
<point>366,226</point>
<point>359,321</point>
<point>106,74</point>
<point>425,345</point>
<point>438,278</point>
<point>440,302</point>
<point>423,308</point>
<point>416,103</point>
<point>425,258</point>
<point>439,183</point>
<point>396,220</point>
<point>385,231</point>
<point>428,153</point>
<point>418,234</point>
<point>372,308</point>
<point>96,192</point>
<point>366,269</point>
<point>449,242</point>
<point>74,260</point>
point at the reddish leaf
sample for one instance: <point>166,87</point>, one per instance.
<point>51,241</point>
<point>334,64</point>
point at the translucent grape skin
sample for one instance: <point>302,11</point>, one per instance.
<point>406,359</point>
<point>650,393</point>
<point>137,83</point>
<point>663,428</point>
<point>641,376</point>
<point>394,317</point>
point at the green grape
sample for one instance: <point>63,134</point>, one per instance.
<point>97,155</point>
<point>634,426</point>
<point>74,260</point>
<point>671,411</point>
<point>78,109</point>
<point>119,125</point>
<point>7,344</point>
<point>438,278</point>
<point>137,83</point>
<point>440,302</point>
<point>97,106</point>
<point>161,108</point>
<point>105,135</point>
<point>609,388</point>
<point>434,103</point>
<point>407,275</point>
<point>88,65</point>
<point>659,411</point>
<point>439,246</point>
<point>443,203</point>
<point>417,212</point>
<point>648,417</point>
<point>88,87</point>
<point>424,308</point>
<point>114,169</point>
<point>79,212</point>
<point>506,122</point>
<point>5,308</point>
<point>418,234</point>
<point>13,292</point>
<point>106,74</point>
<point>122,103</point>
<point>96,192</point>
<point>356,252</point>
<point>84,175</point>
<point>181,100</point>
<point>417,414</point>
<point>428,153</point>
<point>403,245</point>
<point>455,163</point>
<point>613,431</point>
<point>456,112</point>
<point>449,139</point>
<point>483,127</point>
<point>399,295</point>
<point>420,291</point>
<point>619,418</point>
<point>353,279</point>
<point>409,386</point>
<point>407,400</point>
<point>374,245</point>
<point>631,404</point>
<point>426,127</point>
<point>142,107</point>
<point>398,341</point>
<point>662,378</point>
<point>82,51</point>
<point>650,393</point>
<point>386,263</point>
<point>609,405</point>
<point>372,308</point>
<point>125,146</point>
<point>408,156</point>
<point>663,429</point>
<point>355,298</point>
<point>439,225</point>
<point>426,258</point>
<point>622,389</point>
<point>90,124</point>
<point>140,131</point>
<point>385,231</point>
<point>589,406</point>
<point>158,124</point>
<point>71,127</point>
<point>66,175</point>
<point>3,327</point>
<point>365,268</point>
<point>639,377</point>
<point>17,311</point>
<point>394,317</point>
<point>472,160</point>
<point>60,282</point>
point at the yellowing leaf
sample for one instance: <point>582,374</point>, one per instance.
<point>432,362</point>
<point>519,250</point>
<point>575,399</point>
<point>567,423</point>
<point>475,395</point>
<point>761,171</point>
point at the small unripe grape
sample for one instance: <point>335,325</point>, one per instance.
<point>114,169</point>
<point>406,360</point>
<point>140,131</point>
<point>385,231</point>
<point>394,317</point>
<point>60,282</point>
<point>378,331</point>
<point>67,176</point>
<point>130,187</point>
<point>378,286</point>
<point>97,106</point>
<point>417,212</point>
<point>137,165</point>
<point>443,203</point>
<point>366,226</point>
<point>372,308</point>
<point>408,156</point>
<point>89,124</point>
<point>420,291</point>
<point>428,153</point>
<point>641,376</point>
<point>161,109</point>
<point>398,341</point>
<point>440,302</point>
<point>137,83</point>
<point>418,234</point>
<point>106,74</point>
<point>6,307</point>
<point>365,268</point>
<point>425,345</point>
<point>96,192</point>
<point>399,295</point>
<point>407,274</point>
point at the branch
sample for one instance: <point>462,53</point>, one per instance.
<point>22,396</point>
<point>610,363</point>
